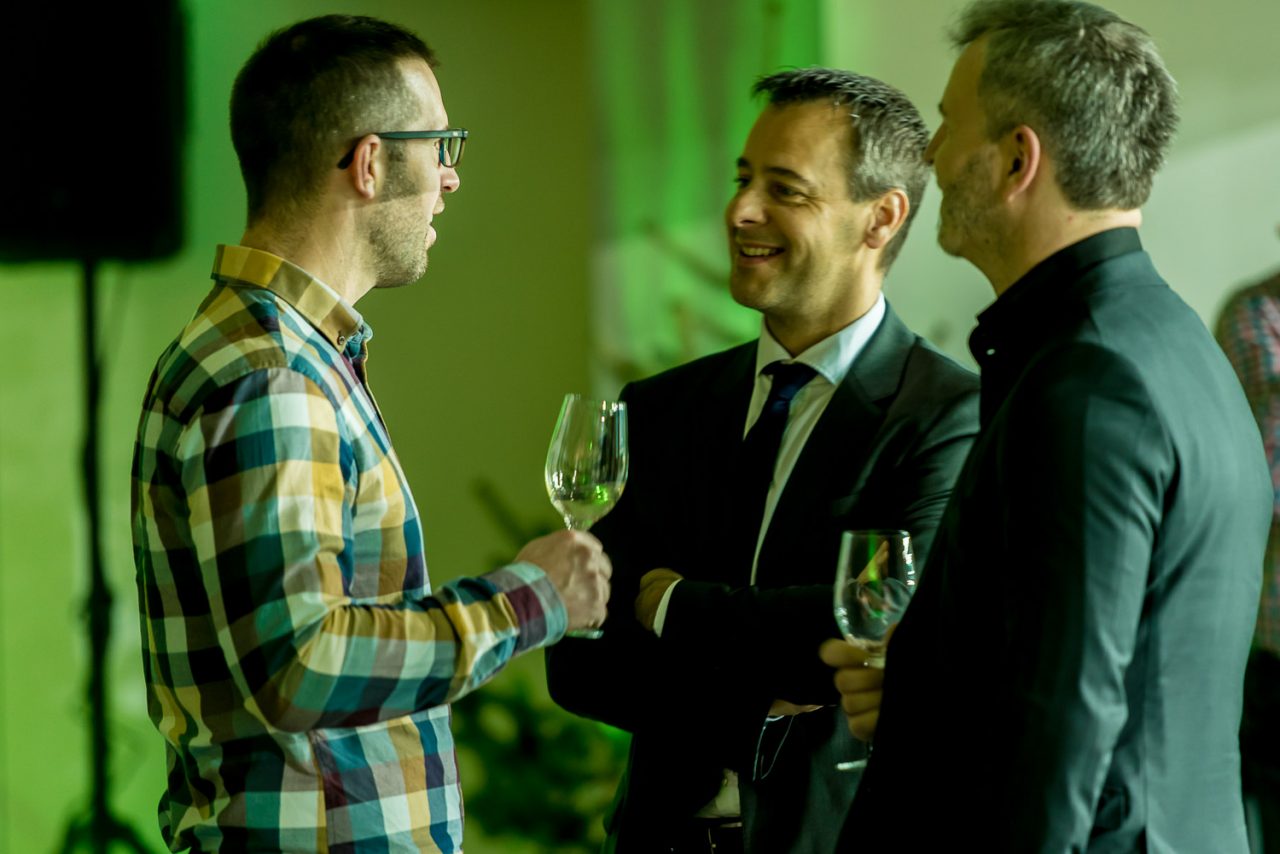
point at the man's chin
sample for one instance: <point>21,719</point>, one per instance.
<point>749,289</point>
<point>402,278</point>
<point>949,242</point>
<point>744,296</point>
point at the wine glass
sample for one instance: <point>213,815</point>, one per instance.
<point>875,577</point>
<point>587,464</point>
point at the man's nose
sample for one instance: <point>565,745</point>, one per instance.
<point>932,148</point>
<point>744,209</point>
<point>449,181</point>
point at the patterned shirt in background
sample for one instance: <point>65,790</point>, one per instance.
<point>297,662</point>
<point>1249,332</point>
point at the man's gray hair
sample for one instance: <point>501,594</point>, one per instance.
<point>888,137</point>
<point>1089,83</point>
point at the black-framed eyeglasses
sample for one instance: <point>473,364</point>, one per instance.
<point>451,143</point>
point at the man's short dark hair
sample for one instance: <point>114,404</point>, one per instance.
<point>888,136</point>
<point>311,90</point>
<point>1088,82</point>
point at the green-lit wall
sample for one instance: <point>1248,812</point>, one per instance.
<point>469,366</point>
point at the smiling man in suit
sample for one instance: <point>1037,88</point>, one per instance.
<point>746,466</point>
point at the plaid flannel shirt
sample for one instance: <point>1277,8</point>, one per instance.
<point>297,662</point>
<point>1249,332</point>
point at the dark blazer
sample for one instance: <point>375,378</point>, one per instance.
<point>1069,674</point>
<point>884,454</point>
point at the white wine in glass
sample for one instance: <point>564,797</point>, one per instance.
<point>875,578</point>
<point>587,464</point>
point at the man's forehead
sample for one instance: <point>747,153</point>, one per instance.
<point>965,74</point>
<point>804,126</point>
<point>422,82</point>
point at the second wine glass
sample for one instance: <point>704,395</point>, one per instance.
<point>587,464</point>
<point>875,579</point>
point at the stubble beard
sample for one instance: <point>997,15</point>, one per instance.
<point>967,217</point>
<point>398,232</point>
<point>752,290</point>
<point>398,241</point>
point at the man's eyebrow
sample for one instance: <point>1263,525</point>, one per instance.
<point>790,174</point>
<point>781,172</point>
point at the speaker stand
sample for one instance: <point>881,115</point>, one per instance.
<point>97,830</point>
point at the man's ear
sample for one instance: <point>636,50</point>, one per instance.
<point>888,214</point>
<point>364,173</point>
<point>1022,158</point>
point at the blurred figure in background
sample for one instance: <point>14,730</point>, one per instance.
<point>746,466</point>
<point>1249,332</point>
<point>298,663</point>
<point>1068,676</point>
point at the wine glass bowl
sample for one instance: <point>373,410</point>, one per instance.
<point>875,578</point>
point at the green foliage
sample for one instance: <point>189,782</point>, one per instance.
<point>536,773</point>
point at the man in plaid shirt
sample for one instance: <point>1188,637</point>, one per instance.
<point>1249,332</point>
<point>297,661</point>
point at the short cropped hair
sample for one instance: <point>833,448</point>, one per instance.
<point>888,136</point>
<point>1088,82</point>
<point>310,90</point>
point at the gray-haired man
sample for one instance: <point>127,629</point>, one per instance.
<point>1068,676</point>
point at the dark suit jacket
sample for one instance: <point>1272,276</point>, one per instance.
<point>1068,676</point>
<point>884,454</point>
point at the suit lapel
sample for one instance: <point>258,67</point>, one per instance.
<point>722,404</point>
<point>840,451</point>
<point>721,414</point>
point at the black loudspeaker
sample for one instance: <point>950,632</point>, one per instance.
<point>94,115</point>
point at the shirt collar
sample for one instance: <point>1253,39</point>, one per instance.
<point>1045,290</point>
<point>320,304</point>
<point>833,356</point>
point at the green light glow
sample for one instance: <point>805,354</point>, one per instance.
<point>674,81</point>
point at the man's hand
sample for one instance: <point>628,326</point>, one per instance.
<point>858,684</point>
<point>578,567</point>
<point>653,585</point>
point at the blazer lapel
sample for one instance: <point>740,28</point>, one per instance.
<point>839,452</point>
<point>721,416</point>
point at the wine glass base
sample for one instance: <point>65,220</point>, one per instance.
<point>585,634</point>
<point>852,765</point>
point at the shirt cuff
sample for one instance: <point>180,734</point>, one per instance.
<point>660,618</point>
<point>540,613</point>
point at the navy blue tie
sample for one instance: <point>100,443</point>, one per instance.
<point>758,458</point>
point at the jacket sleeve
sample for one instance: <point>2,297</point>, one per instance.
<point>775,632</point>
<point>620,678</point>
<point>1086,464</point>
